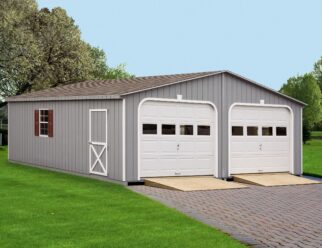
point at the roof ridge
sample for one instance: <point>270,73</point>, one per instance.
<point>180,74</point>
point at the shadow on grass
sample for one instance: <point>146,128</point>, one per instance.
<point>312,174</point>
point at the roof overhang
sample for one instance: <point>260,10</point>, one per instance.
<point>63,98</point>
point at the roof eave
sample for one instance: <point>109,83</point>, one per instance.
<point>62,98</point>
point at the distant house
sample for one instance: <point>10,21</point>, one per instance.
<point>210,123</point>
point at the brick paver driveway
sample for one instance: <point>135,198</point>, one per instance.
<point>287,216</point>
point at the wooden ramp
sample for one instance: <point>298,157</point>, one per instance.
<point>273,179</point>
<point>192,183</point>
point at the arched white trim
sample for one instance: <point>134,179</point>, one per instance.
<point>176,101</point>
<point>264,105</point>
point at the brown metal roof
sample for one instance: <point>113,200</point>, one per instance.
<point>116,88</point>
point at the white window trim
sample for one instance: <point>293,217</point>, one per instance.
<point>176,101</point>
<point>291,131</point>
<point>39,116</point>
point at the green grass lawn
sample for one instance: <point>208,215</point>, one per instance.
<point>316,134</point>
<point>40,208</point>
<point>312,157</point>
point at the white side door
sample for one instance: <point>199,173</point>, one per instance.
<point>260,139</point>
<point>170,144</point>
<point>98,149</point>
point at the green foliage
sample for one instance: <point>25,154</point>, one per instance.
<point>19,53</point>
<point>306,134</point>
<point>100,68</point>
<point>317,72</point>
<point>40,208</point>
<point>306,89</point>
<point>43,48</point>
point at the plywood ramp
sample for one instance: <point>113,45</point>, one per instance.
<point>273,179</point>
<point>192,183</point>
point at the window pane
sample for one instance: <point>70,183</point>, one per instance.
<point>149,128</point>
<point>203,130</point>
<point>44,118</point>
<point>44,128</point>
<point>252,131</point>
<point>186,129</point>
<point>168,129</point>
<point>237,131</point>
<point>267,131</point>
<point>44,115</point>
<point>281,131</point>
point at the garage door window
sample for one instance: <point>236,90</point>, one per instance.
<point>267,131</point>
<point>186,129</point>
<point>149,128</point>
<point>168,129</point>
<point>281,131</point>
<point>204,130</point>
<point>252,131</point>
<point>237,130</point>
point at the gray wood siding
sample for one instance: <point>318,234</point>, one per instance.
<point>68,150</point>
<point>223,90</point>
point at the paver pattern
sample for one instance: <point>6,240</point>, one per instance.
<point>285,216</point>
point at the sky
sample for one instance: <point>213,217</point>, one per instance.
<point>266,41</point>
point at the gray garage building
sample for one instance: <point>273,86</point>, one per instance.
<point>210,123</point>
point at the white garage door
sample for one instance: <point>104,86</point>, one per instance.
<point>260,139</point>
<point>176,139</point>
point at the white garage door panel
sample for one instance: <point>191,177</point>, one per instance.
<point>173,155</point>
<point>253,154</point>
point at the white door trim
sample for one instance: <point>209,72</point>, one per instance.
<point>123,140</point>
<point>176,101</point>
<point>92,143</point>
<point>291,167</point>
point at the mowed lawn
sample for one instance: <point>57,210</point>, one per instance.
<point>39,208</point>
<point>312,155</point>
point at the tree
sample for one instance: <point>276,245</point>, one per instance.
<point>306,89</point>
<point>18,47</point>
<point>317,72</point>
<point>100,68</point>
<point>43,48</point>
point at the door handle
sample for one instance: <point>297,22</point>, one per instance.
<point>260,147</point>
<point>178,147</point>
